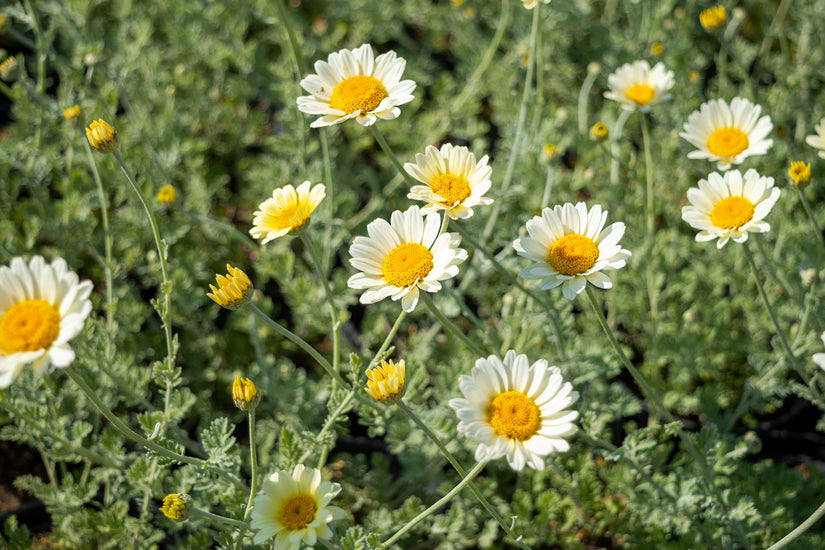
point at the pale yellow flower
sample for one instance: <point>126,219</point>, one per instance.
<point>287,212</point>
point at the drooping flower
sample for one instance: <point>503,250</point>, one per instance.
<point>730,206</point>
<point>42,307</point>
<point>295,508</point>
<point>637,86</point>
<point>287,212</point>
<point>401,257</point>
<point>355,84</point>
<point>233,291</point>
<point>800,173</point>
<point>387,382</point>
<point>177,506</point>
<point>453,180</point>
<point>713,18</point>
<point>102,136</point>
<point>516,410</point>
<point>726,134</point>
<point>818,140</point>
<point>571,247</point>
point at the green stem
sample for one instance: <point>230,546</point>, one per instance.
<point>336,337</point>
<point>811,217</point>
<point>462,472</point>
<point>107,245</point>
<point>377,357</point>
<point>382,142</point>
<point>330,188</point>
<point>220,519</point>
<point>584,93</point>
<point>137,438</point>
<point>447,324</point>
<point>615,135</point>
<point>438,504</point>
<point>253,465</point>
<point>650,216</point>
<point>293,41</point>
<point>649,210</point>
<point>800,529</point>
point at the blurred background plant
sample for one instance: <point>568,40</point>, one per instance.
<point>203,98</point>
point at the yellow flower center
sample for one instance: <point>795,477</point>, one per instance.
<point>294,217</point>
<point>454,189</point>
<point>29,326</point>
<point>358,92</point>
<point>640,94</point>
<point>573,254</point>
<point>731,212</point>
<point>514,415</point>
<point>727,142</point>
<point>406,264</point>
<point>297,512</point>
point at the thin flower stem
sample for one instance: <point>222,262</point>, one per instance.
<point>293,40</point>
<point>300,342</point>
<point>447,324</point>
<point>328,425</point>
<point>650,394</point>
<point>382,142</point>
<point>107,245</point>
<point>800,529</point>
<point>444,224</point>
<point>522,116</point>
<point>615,135</point>
<point>377,357</point>
<point>462,472</point>
<point>811,217</point>
<point>584,93</point>
<point>137,438</point>
<point>219,519</point>
<point>336,337</point>
<point>330,189</point>
<point>253,465</point>
<point>438,504</point>
<point>650,215</point>
<point>552,313</point>
<point>166,287</point>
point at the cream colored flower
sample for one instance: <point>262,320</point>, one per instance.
<point>730,206</point>
<point>355,84</point>
<point>42,307</point>
<point>530,4</point>
<point>516,410</point>
<point>453,180</point>
<point>818,140</point>
<point>295,508</point>
<point>287,212</point>
<point>571,247</point>
<point>403,256</point>
<point>819,358</point>
<point>728,134</point>
<point>637,86</point>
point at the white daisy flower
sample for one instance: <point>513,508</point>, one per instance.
<point>637,86</point>
<point>516,410</point>
<point>453,180</point>
<point>728,134</point>
<point>403,256</point>
<point>42,307</point>
<point>729,207</point>
<point>819,358</point>
<point>294,508</point>
<point>287,212</point>
<point>818,140</point>
<point>355,84</point>
<point>571,247</point>
<point>530,4</point>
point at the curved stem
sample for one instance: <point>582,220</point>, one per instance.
<point>253,465</point>
<point>584,92</point>
<point>336,337</point>
<point>220,519</point>
<point>377,357</point>
<point>107,245</point>
<point>811,217</point>
<point>800,529</point>
<point>382,142</point>
<point>615,135</point>
<point>447,324</point>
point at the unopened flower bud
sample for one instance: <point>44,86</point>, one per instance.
<point>245,394</point>
<point>177,506</point>
<point>102,136</point>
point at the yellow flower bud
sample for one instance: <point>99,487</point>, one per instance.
<point>233,291</point>
<point>177,506</point>
<point>386,383</point>
<point>245,394</point>
<point>713,18</point>
<point>599,131</point>
<point>72,114</point>
<point>102,136</point>
<point>800,173</point>
<point>167,195</point>
<point>549,152</point>
<point>8,68</point>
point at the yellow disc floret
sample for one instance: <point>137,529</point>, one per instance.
<point>731,213</point>
<point>727,142</point>
<point>573,254</point>
<point>453,189</point>
<point>406,264</point>
<point>29,326</point>
<point>640,94</point>
<point>359,92</point>
<point>386,382</point>
<point>233,291</point>
<point>297,512</point>
<point>514,415</point>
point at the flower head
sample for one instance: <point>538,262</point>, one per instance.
<point>713,18</point>
<point>355,84</point>
<point>8,68</point>
<point>403,256</point>
<point>72,114</point>
<point>730,206</point>
<point>550,152</point>
<point>530,4</point>
<point>167,195</point>
<point>819,358</point>
<point>728,134</point>
<point>571,247</point>
<point>800,173</point>
<point>234,290</point>
<point>386,382</point>
<point>294,508</point>
<point>42,307</point>
<point>102,136</point>
<point>245,394</point>
<point>637,86</point>
<point>287,212</point>
<point>453,180</point>
<point>818,140</point>
<point>177,506</point>
<point>599,131</point>
<point>515,409</point>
